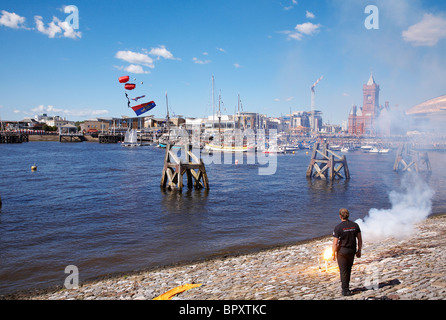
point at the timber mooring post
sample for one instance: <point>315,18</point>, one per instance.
<point>406,158</point>
<point>329,166</point>
<point>174,168</point>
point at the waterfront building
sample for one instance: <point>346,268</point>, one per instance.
<point>192,123</point>
<point>300,119</point>
<point>57,121</point>
<point>68,128</point>
<point>330,128</point>
<point>105,125</point>
<point>249,120</point>
<point>344,125</point>
<point>301,122</point>
<point>272,123</point>
<point>220,122</point>
<point>25,124</point>
<point>95,126</point>
<point>428,116</point>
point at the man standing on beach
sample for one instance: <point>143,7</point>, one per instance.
<point>344,248</point>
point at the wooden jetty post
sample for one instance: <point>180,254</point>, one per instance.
<point>71,137</point>
<point>408,159</point>
<point>13,137</point>
<point>174,168</point>
<point>329,165</point>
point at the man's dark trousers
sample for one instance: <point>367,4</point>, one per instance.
<point>346,257</point>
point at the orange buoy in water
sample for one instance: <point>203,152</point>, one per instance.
<point>33,168</point>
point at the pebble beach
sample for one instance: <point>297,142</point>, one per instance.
<point>394,269</point>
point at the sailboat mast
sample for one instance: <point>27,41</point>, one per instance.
<point>213,107</point>
<point>219,116</point>
<point>168,118</point>
<point>238,112</point>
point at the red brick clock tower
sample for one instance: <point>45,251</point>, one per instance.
<point>370,106</point>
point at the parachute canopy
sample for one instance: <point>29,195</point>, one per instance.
<point>123,79</point>
<point>143,107</point>
<point>129,86</point>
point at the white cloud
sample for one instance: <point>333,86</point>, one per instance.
<point>85,112</point>
<point>55,27</point>
<point>307,28</point>
<point>427,32</point>
<point>291,5</point>
<point>138,59</point>
<point>133,68</point>
<point>42,108</point>
<point>135,58</point>
<point>52,29</point>
<point>69,31</point>
<point>309,15</point>
<point>288,99</point>
<point>221,50</point>
<point>295,35</point>
<point>198,61</point>
<point>163,53</point>
<point>12,20</point>
<point>66,112</point>
<point>237,65</point>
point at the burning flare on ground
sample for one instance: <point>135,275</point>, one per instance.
<point>328,254</point>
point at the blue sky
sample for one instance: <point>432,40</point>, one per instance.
<point>268,51</point>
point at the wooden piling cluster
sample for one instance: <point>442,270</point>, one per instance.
<point>408,159</point>
<point>174,169</point>
<point>13,137</point>
<point>71,137</point>
<point>329,165</point>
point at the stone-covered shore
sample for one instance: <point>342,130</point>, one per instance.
<point>396,269</point>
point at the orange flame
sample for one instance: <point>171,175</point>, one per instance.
<point>328,253</point>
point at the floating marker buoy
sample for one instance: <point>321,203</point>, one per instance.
<point>33,168</point>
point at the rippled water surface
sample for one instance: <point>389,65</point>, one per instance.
<point>100,207</point>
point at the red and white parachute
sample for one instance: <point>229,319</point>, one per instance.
<point>131,86</point>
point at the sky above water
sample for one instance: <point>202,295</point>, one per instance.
<point>65,58</point>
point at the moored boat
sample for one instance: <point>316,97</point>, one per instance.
<point>131,139</point>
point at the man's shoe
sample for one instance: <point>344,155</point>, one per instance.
<point>346,293</point>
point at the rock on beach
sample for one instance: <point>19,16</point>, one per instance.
<point>395,269</point>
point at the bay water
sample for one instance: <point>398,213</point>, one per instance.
<point>100,207</point>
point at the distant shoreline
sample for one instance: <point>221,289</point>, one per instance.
<point>54,137</point>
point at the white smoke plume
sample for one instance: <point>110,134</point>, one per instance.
<point>412,205</point>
